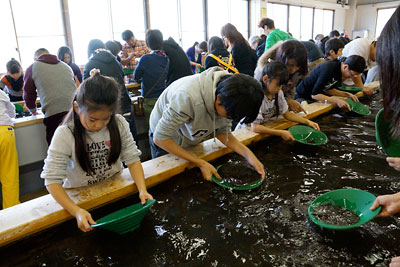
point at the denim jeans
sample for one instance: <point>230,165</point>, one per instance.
<point>156,151</point>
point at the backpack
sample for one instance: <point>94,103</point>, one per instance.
<point>227,66</point>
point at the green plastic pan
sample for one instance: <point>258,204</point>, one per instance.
<point>126,219</point>
<point>128,71</point>
<point>357,201</point>
<point>308,135</point>
<point>357,107</point>
<point>19,108</point>
<point>350,89</point>
<point>227,185</point>
<point>384,138</point>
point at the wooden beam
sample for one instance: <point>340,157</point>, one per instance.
<point>35,215</point>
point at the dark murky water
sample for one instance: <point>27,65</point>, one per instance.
<point>197,223</point>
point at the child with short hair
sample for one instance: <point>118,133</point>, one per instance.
<point>274,76</point>
<point>152,71</point>
<point>9,172</point>
<point>90,146</point>
<point>219,56</point>
<point>13,81</point>
<point>324,80</point>
<point>333,48</point>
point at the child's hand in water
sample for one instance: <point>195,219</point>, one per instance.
<point>394,162</point>
<point>352,97</point>
<point>313,125</point>
<point>390,204</point>
<point>342,104</point>
<point>286,135</point>
<point>84,219</point>
<point>144,196</point>
<point>207,170</point>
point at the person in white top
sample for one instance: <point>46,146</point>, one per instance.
<point>365,48</point>
<point>274,76</point>
<point>90,147</point>
<point>9,171</point>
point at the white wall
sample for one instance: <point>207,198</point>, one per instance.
<point>367,15</point>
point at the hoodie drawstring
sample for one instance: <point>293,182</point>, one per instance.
<point>227,132</point>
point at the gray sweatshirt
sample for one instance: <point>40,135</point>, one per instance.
<point>54,81</point>
<point>185,111</point>
<point>62,167</point>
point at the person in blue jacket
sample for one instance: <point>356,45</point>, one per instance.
<point>194,54</point>
<point>152,71</point>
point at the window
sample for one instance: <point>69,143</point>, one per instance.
<point>167,24</point>
<point>306,24</point>
<point>294,21</point>
<point>235,12</point>
<point>132,20</point>
<point>239,16</point>
<point>278,13</point>
<point>327,22</point>
<point>323,21</point>
<point>383,17</point>
<point>9,47</point>
<point>301,20</point>
<point>192,22</point>
<point>86,26</point>
<point>106,20</point>
<point>43,31</point>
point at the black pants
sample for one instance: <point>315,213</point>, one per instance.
<point>51,123</point>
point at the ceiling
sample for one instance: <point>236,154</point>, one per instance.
<point>370,2</point>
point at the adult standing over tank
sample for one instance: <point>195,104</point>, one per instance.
<point>54,81</point>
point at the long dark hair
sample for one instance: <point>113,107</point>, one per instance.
<point>230,32</point>
<point>95,93</point>
<point>388,59</point>
<point>61,53</point>
<point>293,49</point>
<point>275,70</point>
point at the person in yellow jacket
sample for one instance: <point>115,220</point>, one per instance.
<point>9,172</point>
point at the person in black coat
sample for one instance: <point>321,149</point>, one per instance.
<point>245,58</point>
<point>102,59</point>
<point>179,65</point>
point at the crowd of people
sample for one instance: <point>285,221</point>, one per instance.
<point>214,87</point>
